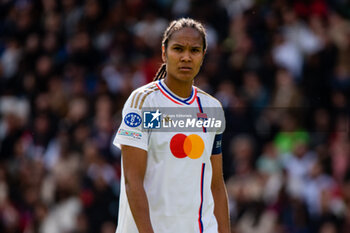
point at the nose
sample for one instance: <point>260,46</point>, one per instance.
<point>186,56</point>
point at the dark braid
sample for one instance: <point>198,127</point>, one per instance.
<point>174,26</point>
<point>161,73</point>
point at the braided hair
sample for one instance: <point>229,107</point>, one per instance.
<point>174,26</point>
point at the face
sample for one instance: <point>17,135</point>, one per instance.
<point>184,54</point>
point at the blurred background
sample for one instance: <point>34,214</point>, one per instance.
<point>280,68</point>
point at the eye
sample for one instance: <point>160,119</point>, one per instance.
<point>178,49</point>
<point>195,50</point>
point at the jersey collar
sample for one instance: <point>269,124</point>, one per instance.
<point>173,97</point>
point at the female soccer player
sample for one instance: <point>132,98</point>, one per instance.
<point>172,182</point>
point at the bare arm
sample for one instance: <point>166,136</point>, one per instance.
<point>134,165</point>
<point>220,195</point>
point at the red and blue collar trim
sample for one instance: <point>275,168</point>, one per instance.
<point>164,90</point>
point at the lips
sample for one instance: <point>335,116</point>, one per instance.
<point>185,68</point>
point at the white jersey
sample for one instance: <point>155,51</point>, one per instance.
<point>179,172</point>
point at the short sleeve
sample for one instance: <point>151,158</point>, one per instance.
<point>131,132</point>
<point>217,144</point>
<point>221,116</point>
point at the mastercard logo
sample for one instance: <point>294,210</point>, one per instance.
<point>191,146</point>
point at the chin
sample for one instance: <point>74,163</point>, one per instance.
<point>186,77</point>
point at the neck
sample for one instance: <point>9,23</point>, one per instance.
<point>180,88</point>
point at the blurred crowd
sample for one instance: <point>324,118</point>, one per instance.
<point>281,69</point>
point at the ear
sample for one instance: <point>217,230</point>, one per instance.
<point>163,54</point>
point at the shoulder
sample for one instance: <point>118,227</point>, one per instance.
<point>211,100</point>
<point>138,97</point>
